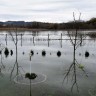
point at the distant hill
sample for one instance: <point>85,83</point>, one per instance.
<point>90,24</point>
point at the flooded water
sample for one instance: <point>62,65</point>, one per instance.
<point>50,55</point>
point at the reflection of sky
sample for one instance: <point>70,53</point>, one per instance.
<point>46,10</point>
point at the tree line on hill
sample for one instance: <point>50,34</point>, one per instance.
<point>90,24</point>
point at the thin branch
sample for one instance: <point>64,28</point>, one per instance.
<point>12,71</point>
<point>69,69</point>
<point>70,38</point>
<point>13,38</point>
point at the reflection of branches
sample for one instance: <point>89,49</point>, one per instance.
<point>2,66</point>
<point>73,67</point>
<point>18,69</point>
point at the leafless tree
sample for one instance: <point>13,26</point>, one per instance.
<point>73,67</point>
<point>16,65</point>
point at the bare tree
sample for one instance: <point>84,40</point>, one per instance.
<point>73,67</point>
<point>15,40</point>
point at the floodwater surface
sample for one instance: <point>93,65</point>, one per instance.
<point>48,54</point>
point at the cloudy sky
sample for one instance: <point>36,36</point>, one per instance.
<point>46,10</point>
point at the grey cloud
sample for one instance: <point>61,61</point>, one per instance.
<point>42,10</point>
<point>10,17</point>
<point>53,9</point>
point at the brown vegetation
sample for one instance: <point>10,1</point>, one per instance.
<point>36,26</point>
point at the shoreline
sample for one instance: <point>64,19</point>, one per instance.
<point>37,30</point>
<point>22,29</point>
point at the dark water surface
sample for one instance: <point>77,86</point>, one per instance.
<point>18,62</point>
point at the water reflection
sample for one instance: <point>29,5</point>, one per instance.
<point>55,47</point>
<point>92,35</point>
<point>2,66</point>
<point>6,39</point>
<point>17,67</point>
<point>21,39</point>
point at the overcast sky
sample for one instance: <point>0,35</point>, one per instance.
<point>46,10</point>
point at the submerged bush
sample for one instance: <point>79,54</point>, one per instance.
<point>43,53</point>
<point>58,53</point>
<point>27,75</point>
<point>30,75</point>
<point>87,54</point>
<point>23,53</point>
<point>81,66</point>
<point>11,52</point>
<point>32,52</point>
<point>6,52</point>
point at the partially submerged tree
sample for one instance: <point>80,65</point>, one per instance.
<point>73,67</point>
<point>16,65</point>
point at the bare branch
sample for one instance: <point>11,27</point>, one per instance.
<point>12,71</point>
<point>70,38</point>
<point>75,44</point>
<point>13,38</point>
<point>68,72</point>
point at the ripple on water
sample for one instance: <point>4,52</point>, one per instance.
<point>20,79</point>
